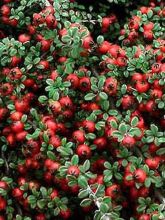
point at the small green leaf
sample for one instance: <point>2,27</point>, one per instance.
<point>154,129</point>
<point>104,207</point>
<point>75,160</point>
<point>43,191</point>
<point>41,203</point>
<point>100,39</point>
<point>42,99</point>
<point>103,95</point>
<point>122,128</point>
<point>86,165</point>
<point>86,202</point>
<point>83,193</point>
<point>147,182</point>
<point>134,121</point>
<point>113,124</point>
<point>161,105</point>
<point>123,89</point>
<point>51,155</point>
<point>56,96</point>
<point>101,82</point>
<point>161,151</point>
<point>82,181</point>
<point>10,107</point>
<point>89,96</point>
<point>141,208</point>
<point>32,199</point>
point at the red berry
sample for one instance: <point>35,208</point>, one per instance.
<point>144,217</point>
<point>40,216</point>
<point>5,10</point>
<point>83,150</point>
<point>142,86</point>
<point>112,191</point>
<point>17,193</point>
<point>73,170</point>
<point>84,84</point>
<point>24,38</point>
<point>54,194</point>
<point>100,143</point>
<point>140,175</point>
<point>79,136</point>
<point>89,126</point>
<point>104,47</point>
<point>65,214</point>
<point>153,163</point>
<point>3,203</point>
<point>128,141</point>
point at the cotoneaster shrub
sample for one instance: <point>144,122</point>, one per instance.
<point>82,110</point>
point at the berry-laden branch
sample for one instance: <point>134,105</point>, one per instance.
<point>105,216</point>
<point>82,109</point>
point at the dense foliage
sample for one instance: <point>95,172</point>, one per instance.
<point>82,109</point>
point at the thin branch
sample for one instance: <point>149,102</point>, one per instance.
<point>18,208</point>
<point>89,21</point>
<point>6,163</point>
<point>47,3</point>
<point>94,71</point>
<point>98,204</point>
<point>159,195</point>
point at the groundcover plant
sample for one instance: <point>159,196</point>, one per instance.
<point>82,108</point>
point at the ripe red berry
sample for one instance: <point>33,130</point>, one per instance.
<point>3,185</point>
<point>140,175</point>
<point>105,22</point>
<point>83,150</point>
<point>40,216</point>
<point>21,106</point>
<point>74,79</point>
<point>24,38</point>
<point>65,214</point>
<point>73,170</point>
<point>89,126</point>
<point>128,141</point>
<point>87,41</point>
<point>44,64</point>
<point>110,86</point>
<point>142,86</point>
<point>127,101</point>
<point>144,217</point>
<point>54,194</point>
<point>79,136</point>
<point>17,193</point>
<point>5,10</point>
<point>3,203</point>
<point>104,47</point>
<point>17,126</point>
<point>84,84</point>
<point>112,191</point>
<point>50,21</point>
<point>153,163</point>
<point>55,141</point>
<point>100,143</point>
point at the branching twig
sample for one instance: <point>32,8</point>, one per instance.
<point>47,3</point>
<point>89,21</point>
<point>6,163</point>
<point>18,208</point>
<point>159,195</point>
<point>138,152</point>
<point>94,71</point>
<point>98,204</point>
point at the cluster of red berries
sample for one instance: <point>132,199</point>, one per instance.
<point>81,116</point>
